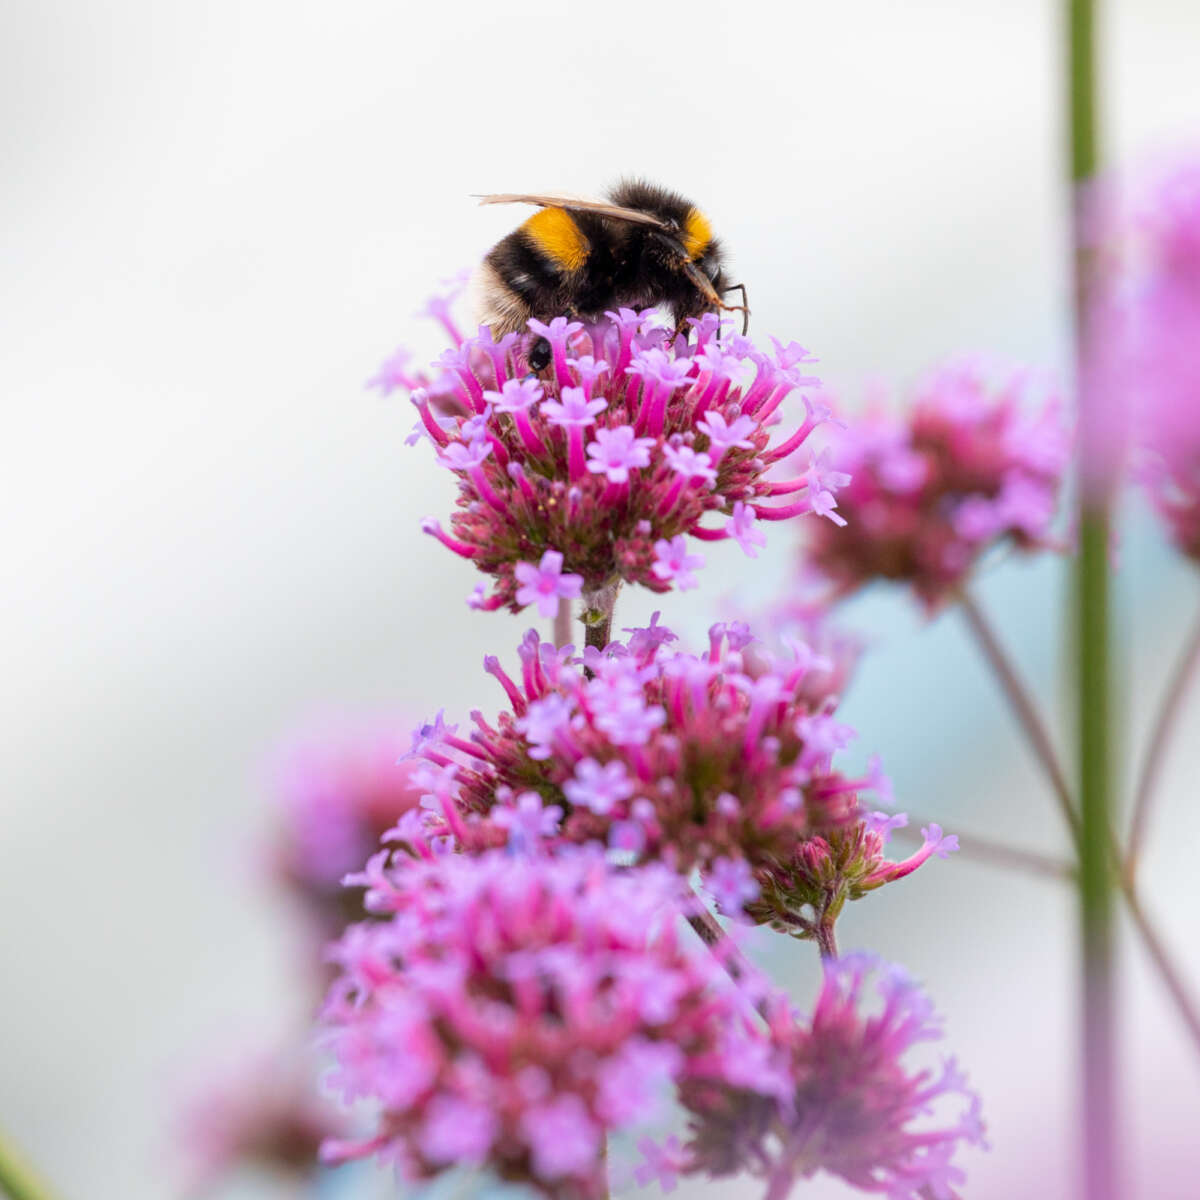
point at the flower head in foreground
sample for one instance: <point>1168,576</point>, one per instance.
<point>338,792</point>
<point>970,466</point>
<point>513,1010</point>
<point>856,1107</point>
<point>626,444</point>
<point>264,1113</point>
<point>1165,372</point>
<point>721,761</point>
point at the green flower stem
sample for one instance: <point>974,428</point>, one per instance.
<point>1096,873</point>
<point>18,1181</point>
<point>1091,603</point>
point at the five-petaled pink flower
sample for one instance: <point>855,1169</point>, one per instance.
<point>672,561</point>
<point>545,584</point>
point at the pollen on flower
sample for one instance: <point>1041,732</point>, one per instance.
<point>972,464</point>
<point>630,439</point>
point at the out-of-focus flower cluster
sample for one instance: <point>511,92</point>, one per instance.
<point>264,1112</point>
<point>597,470</point>
<point>1164,375</point>
<point>516,1009</point>
<point>855,1106</point>
<point>722,761</point>
<point>337,793</point>
<point>970,465</point>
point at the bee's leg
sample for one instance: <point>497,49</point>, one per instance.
<point>539,356</point>
<point>742,308</point>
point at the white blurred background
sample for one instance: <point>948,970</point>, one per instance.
<point>217,219</point>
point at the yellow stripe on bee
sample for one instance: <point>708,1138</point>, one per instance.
<point>555,233</point>
<point>697,233</point>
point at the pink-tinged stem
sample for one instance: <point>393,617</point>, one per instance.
<point>1022,705</point>
<point>1162,960</point>
<point>562,623</point>
<point>826,938</point>
<point>723,948</point>
<point>1160,739</point>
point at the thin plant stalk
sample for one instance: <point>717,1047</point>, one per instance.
<point>1092,620</point>
<point>562,623</point>
<point>826,939</point>
<point>598,615</point>
<point>1163,729</point>
<point>1023,707</point>
<point>18,1180</point>
<point>977,848</point>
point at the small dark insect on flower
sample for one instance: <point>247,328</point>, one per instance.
<point>642,247</point>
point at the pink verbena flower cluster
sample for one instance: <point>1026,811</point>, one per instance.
<point>337,793</point>
<point>596,471</point>
<point>854,1108</point>
<point>721,761</point>
<point>514,1010</point>
<point>969,466</point>
<point>1165,374</point>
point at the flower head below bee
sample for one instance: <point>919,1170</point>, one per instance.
<point>722,761</point>
<point>629,440</point>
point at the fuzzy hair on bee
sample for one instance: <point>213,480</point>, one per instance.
<point>642,247</point>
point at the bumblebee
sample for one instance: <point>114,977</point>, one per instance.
<point>642,247</point>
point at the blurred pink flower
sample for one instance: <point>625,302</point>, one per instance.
<point>970,466</point>
<point>338,790</point>
<point>263,1111</point>
<point>855,1108</point>
<point>513,1010</point>
<point>1164,327</point>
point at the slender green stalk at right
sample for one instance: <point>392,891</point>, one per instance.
<point>1091,612</point>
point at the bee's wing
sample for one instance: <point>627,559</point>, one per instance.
<point>601,208</point>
